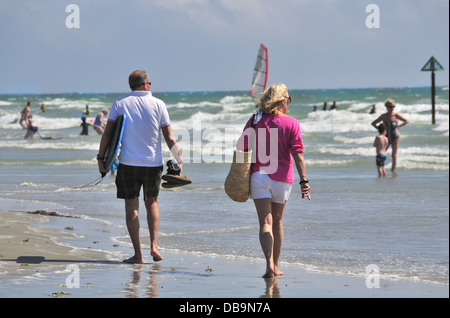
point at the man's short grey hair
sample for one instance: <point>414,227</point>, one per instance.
<point>137,79</point>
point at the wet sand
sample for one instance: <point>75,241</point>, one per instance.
<point>36,263</point>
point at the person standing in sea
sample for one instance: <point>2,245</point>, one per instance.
<point>390,121</point>
<point>381,143</point>
<point>140,159</point>
<point>272,175</point>
<point>100,122</point>
<point>24,115</point>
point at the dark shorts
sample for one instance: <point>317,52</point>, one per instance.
<point>130,179</point>
<point>380,160</point>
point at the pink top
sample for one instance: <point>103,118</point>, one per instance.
<point>278,137</point>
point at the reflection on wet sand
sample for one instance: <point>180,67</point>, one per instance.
<point>132,288</point>
<point>272,290</point>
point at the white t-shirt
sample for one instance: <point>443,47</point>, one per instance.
<point>141,140</point>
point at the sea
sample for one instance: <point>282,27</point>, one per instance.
<point>355,221</point>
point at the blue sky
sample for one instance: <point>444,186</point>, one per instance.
<point>208,45</point>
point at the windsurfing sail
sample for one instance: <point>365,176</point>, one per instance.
<point>260,73</point>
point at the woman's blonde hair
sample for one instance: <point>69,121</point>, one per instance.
<point>270,100</point>
<point>389,102</point>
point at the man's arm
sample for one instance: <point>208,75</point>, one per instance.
<point>171,142</point>
<point>104,142</point>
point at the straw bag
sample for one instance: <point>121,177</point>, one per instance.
<point>237,183</point>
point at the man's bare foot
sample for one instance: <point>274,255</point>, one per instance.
<point>156,256</point>
<point>134,260</point>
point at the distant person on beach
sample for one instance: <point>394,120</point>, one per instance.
<point>373,110</point>
<point>87,111</point>
<point>140,159</point>
<point>43,108</point>
<point>381,143</point>
<point>32,128</point>
<point>24,115</point>
<point>325,107</point>
<point>333,106</point>
<point>270,186</point>
<point>100,122</point>
<point>84,126</point>
<point>390,121</point>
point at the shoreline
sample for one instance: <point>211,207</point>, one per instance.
<point>28,248</point>
<point>35,263</point>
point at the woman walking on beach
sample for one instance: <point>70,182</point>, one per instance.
<point>278,140</point>
<point>390,121</point>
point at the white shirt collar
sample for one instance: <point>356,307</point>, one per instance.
<point>140,93</point>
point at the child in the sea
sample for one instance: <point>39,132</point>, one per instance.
<point>381,143</point>
<point>84,126</point>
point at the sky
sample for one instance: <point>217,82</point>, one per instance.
<point>211,45</point>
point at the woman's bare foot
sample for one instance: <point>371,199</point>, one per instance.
<point>277,272</point>
<point>269,273</point>
<point>156,256</point>
<point>134,260</point>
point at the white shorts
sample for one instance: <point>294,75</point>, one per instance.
<point>262,187</point>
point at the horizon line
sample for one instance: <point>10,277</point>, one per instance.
<point>218,91</point>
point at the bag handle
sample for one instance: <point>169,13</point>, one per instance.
<point>250,143</point>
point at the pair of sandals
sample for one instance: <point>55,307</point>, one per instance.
<point>174,178</point>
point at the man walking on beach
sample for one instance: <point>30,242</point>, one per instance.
<point>141,161</point>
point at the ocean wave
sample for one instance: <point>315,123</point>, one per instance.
<point>182,105</point>
<point>73,103</point>
<point>330,163</point>
<point>354,141</point>
<point>412,163</point>
<point>207,232</point>
<point>235,99</point>
<point>44,144</point>
<point>203,120</point>
<point>10,122</point>
<point>52,163</point>
<point>427,152</point>
<point>5,103</point>
<point>421,165</point>
<point>36,185</point>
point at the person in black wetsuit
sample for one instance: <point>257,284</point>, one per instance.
<point>85,126</point>
<point>390,121</point>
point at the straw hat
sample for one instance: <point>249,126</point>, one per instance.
<point>237,183</point>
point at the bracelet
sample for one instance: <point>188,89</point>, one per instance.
<point>99,158</point>
<point>303,181</point>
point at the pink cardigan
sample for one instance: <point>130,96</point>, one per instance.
<point>274,154</point>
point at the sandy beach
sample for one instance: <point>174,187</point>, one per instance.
<point>36,263</point>
<point>360,238</point>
